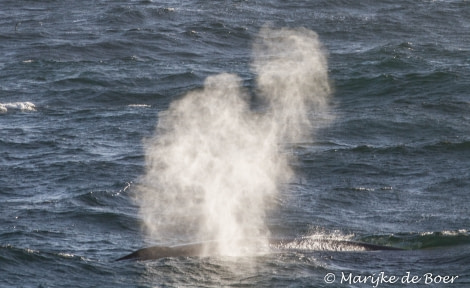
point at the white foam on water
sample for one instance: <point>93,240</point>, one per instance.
<point>139,105</point>
<point>17,106</point>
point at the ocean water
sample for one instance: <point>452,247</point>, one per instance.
<point>83,85</point>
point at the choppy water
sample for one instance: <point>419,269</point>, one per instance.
<point>81,85</point>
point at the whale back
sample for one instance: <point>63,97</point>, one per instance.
<point>209,248</point>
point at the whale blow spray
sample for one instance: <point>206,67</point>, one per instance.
<point>215,164</point>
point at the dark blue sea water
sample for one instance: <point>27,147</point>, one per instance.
<point>82,84</point>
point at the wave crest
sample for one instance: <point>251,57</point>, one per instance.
<point>17,106</point>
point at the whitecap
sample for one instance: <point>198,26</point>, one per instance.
<point>66,255</point>
<point>139,105</point>
<point>19,106</point>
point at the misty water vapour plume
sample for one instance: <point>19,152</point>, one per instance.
<point>214,164</point>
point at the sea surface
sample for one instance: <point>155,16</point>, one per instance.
<point>82,84</point>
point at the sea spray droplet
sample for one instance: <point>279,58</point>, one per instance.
<point>214,164</point>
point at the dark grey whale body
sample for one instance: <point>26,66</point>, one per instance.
<point>209,248</point>
<point>157,252</point>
